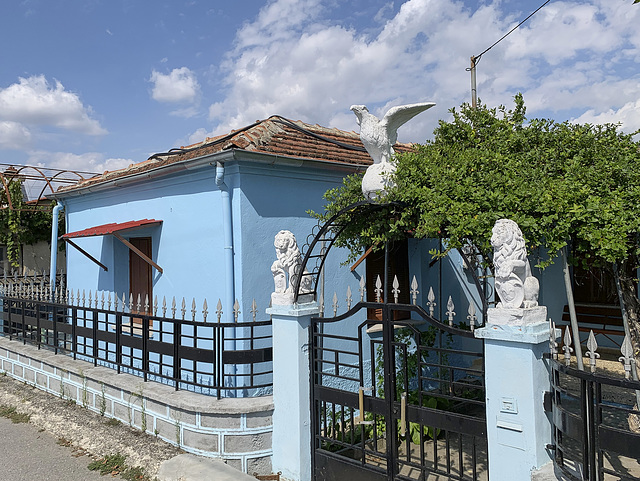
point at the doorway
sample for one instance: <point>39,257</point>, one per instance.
<point>140,276</point>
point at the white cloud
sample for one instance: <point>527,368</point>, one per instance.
<point>180,85</point>
<point>628,116</point>
<point>33,101</point>
<point>88,162</point>
<point>295,61</point>
<point>14,135</point>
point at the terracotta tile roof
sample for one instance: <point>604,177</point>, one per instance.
<point>275,135</point>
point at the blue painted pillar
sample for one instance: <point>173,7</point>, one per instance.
<point>291,390</point>
<point>518,429</point>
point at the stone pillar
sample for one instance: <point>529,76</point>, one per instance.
<point>518,429</point>
<point>291,390</point>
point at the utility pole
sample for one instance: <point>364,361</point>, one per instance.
<point>474,90</point>
<point>475,59</point>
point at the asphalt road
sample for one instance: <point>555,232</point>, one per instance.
<point>32,455</point>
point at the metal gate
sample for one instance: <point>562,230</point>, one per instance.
<point>596,422</point>
<point>399,398</point>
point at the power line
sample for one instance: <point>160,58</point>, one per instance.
<point>476,59</point>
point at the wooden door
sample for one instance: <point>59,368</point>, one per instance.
<point>140,280</point>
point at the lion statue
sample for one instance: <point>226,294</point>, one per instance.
<point>514,282</point>
<point>288,264</point>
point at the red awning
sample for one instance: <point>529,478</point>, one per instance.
<point>106,229</point>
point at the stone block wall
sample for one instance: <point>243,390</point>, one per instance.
<point>237,430</point>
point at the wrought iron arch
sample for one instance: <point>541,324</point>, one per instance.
<point>42,179</point>
<point>324,236</point>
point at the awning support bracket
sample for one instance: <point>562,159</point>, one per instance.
<point>137,251</point>
<point>70,242</point>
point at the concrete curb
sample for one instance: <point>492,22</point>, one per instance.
<point>548,473</point>
<point>188,467</point>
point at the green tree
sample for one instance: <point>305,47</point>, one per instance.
<point>563,183</point>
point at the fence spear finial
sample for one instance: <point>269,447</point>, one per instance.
<point>627,356</point>
<point>219,310</point>
<point>553,344</point>
<point>431,297</point>
<point>414,290</point>
<point>567,346</point>
<point>396,289</point>
<point>236,310</point>
<point>592,345</point>
<point>450,312</point>
<point>472,316</point>
<point>205,310</point>
<point>378,289</point>
<point>254,309</point>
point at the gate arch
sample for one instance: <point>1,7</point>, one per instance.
<point>316,250</point>
<point>392,398</point>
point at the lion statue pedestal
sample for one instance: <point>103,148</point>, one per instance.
<point>288,264</point>
<point>514,283</point>
<point>521,316</point>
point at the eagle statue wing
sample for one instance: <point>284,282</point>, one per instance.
<point>396,116</point>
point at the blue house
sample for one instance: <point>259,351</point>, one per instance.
<point>199,222</point>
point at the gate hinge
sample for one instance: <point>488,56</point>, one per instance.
<point>551,447</point>
<point>548,401</point>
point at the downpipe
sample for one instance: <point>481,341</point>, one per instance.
<point>53,265</point>
<point>227,227</point>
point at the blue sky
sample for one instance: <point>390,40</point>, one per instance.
<point>96,85</point>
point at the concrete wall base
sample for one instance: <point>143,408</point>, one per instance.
<point>236,430</point>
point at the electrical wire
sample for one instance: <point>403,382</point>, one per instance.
<point>275,118</point>
<point>295,126</point>
<point>477,57</point>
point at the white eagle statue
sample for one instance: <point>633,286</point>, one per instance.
<point>378,137</point>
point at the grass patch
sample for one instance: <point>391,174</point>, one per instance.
<point>10,412</point>
<point>114,464</point>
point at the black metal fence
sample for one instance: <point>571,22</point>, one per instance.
<point>596,425</point>
<point>223,359</point>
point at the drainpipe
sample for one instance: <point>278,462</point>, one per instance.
<point>228,254</point>
<point>53,266</point>
<point>228,242</point>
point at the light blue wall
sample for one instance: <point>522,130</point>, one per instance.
<point>188,244</point>
<point>274,198</point>
<point>447,277</point>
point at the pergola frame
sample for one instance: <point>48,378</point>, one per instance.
<point>48,177</point>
